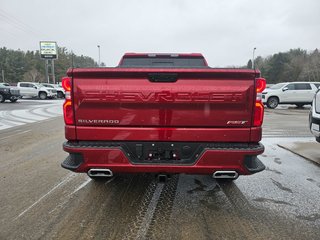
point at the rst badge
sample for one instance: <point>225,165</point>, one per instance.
<point>236,122</point>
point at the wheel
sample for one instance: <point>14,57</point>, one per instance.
<point>299,105</point>
<point>13,100</point>
<point>272,102</point>
<point>2,98</point>
<point>60,95</point>
<point>42,95</point>
<point>318,139</point>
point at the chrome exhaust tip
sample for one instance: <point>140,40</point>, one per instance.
<point>225,174</point>
<point>100,172</point>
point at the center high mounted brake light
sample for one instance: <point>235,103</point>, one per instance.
<point>259,108</point>
<point>67,106</point>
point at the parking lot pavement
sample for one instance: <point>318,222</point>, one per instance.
<point>41,200</point>
<point>28,111</point>
<point>306,148</point>
<point>294,134</point>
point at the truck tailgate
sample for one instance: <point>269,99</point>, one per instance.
<point>196,98</point>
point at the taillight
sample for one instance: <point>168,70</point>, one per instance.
<point>260,84</point>
<point>259,108</point>
<point>67,106</point>
<point>258,114</point>
<point>66,84</point>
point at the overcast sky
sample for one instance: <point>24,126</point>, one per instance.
<point>225,31</point>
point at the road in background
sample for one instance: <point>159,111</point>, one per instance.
<point>39,199</point>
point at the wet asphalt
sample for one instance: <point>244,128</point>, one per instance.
<point>40,200</point>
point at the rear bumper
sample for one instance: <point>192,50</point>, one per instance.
<point>8,96</point>
<point>208,158</point>
<point>314,123</point>
<point>315,127</point>
<point>13,96</point>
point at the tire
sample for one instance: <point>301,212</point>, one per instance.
<point>299,105</point>
<point>13,100</point>
<point>43,95</point>
<point>273,102</point>
<point>318,139</point>
<point>60,95</point>
<point>2,99</point>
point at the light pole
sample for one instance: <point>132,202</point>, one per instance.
<point>253,57</point>
<point>99,55</point>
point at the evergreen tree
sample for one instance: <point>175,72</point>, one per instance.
<point>28,66</point>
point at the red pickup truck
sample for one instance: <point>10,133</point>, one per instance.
<point>163,114</point>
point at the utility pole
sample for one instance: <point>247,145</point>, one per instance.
<point>2,75</point>
<point>99,55</point>
<point>52,72</point>
<point>46,69</point>
<point>253,57</point>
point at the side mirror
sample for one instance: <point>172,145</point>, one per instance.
<point>35,87</point>
<point>285,89</point>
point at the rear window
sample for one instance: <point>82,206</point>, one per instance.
<point>302,86</point>
<point>163,62</point>
<point>277,86</point>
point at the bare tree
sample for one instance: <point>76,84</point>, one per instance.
<point>32,75</point>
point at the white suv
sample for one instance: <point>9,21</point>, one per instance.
<point>30,89</point>
<point>298,93</point>
<point>314,117</point>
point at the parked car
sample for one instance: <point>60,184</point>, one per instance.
<point>60,91</point>
<point>30,89</point>
<point>314,117</point>
<point>298,93</point>
<point>8,93</point>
